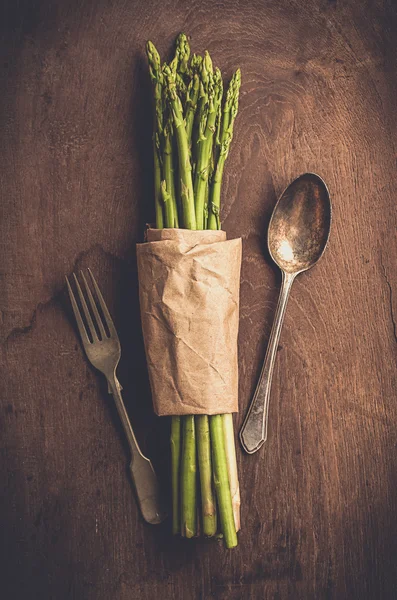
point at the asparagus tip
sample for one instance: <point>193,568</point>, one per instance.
<point>182,53</point>
<point>152,53</point>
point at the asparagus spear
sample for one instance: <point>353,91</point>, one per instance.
<point>185,168</point>
<point>205,70</point>
<point>180,66</point>
<point>156,76</point>
<point>175,464</point>
<point>230,449</point>
<point>157,189</point>
<point>171,220</point>
<point>223,139</point>
<point>175,84</point>
<point>168,184</point>
<point>208,503</point>
<point>221,480</point>
<point>192,96</point>
<point>188,478</point>
<point>226,134</point>
<point>204,152</point>
<point>157,80</point>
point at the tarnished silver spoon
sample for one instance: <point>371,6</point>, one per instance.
<point>297,236</point>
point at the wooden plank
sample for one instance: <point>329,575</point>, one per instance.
<point>319,500</point>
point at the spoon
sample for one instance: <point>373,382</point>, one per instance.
<point>297,236</point>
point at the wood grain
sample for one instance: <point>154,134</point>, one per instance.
<point>319,500</point>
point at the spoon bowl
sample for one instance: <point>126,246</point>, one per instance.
<point>300,224</point>
<point>297,236</point>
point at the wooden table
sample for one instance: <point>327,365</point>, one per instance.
<point>319,500</point>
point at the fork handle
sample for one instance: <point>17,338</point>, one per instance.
<point>143,475</point>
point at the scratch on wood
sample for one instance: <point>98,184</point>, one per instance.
<point>16,332</point>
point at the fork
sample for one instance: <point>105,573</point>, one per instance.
<point>103,350</point>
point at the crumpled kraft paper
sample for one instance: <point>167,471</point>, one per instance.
<point>189,283</point>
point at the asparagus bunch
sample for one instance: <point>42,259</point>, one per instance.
<point>193,129</point>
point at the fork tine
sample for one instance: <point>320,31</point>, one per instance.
<point>94,308</point>
<point>106,313</point>
<point>79,320</point>
<point>91,327</point>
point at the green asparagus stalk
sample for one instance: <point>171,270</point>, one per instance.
<point>221,480</point>
<point>226,134</point>
<point>199,526</point>
<point>222,145</point>
<point>175,475</point>
<point>192,96</point>
<point>200,120</point>
<point>208,503</point>
<point>230,449</point>
<point>180,66</point>
<point>157,81</point>
<point>168,183</point>
<point>156,76</point>
<point>205,144</point>
<point>176,88</point>
<point>157,189</point>
<point>188,478</point>
<point>185,168</point>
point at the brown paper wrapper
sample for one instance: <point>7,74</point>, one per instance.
<point>189,284</point>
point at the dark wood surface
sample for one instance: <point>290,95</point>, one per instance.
<point>319,500</point>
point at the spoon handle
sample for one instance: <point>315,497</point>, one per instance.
<point>254,430</point>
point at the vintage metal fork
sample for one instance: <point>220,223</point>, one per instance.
<point>103,350</point>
